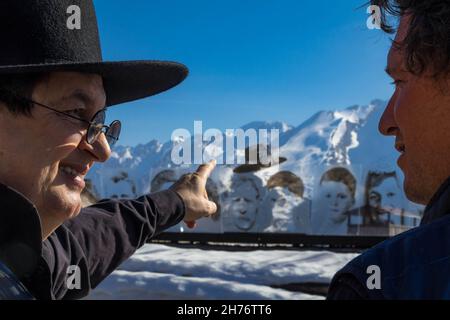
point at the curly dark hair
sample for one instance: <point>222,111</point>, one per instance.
<point>427,42</point>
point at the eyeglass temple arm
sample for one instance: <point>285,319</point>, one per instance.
<point>60,112</point>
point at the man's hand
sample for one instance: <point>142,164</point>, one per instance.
<point>192,189</point>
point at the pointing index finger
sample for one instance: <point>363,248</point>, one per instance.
<point>205,169</point>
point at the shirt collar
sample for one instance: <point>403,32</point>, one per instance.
<point>20,232</point>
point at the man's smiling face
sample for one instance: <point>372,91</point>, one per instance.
<point>418,115</point>
<point>46,156</point>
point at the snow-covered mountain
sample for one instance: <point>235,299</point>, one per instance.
<point>345,137</point>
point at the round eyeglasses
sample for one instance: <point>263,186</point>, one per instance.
<point>95,127</point>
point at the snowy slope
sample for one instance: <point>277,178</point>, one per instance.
<point>162,272</point>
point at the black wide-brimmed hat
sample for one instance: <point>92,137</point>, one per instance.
<point>62,35</point>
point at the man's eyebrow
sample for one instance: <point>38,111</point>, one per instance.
<point>392,71</point>
<point>83,96</point>
<point>80,95</point>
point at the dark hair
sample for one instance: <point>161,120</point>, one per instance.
<point>343,175</point>
<point>427,42</point>
<point>13,87</point>
<point>287,179</point>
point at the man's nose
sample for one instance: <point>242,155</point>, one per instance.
<point>99,150</point>
<point>387,125</point>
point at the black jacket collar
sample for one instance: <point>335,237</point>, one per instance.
<point>20,232</point>
<point>439,204</point>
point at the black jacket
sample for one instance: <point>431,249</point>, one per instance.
<point>413,265</point>
<point>97,241</point>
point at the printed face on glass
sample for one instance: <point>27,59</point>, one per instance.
<point>386,197</point>
<point>335,199</point>
<point>281,204</point>
<point>244,205</point>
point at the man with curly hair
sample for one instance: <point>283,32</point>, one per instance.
<point>415,264</point>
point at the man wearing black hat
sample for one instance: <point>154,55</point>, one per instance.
<point>54,93</point>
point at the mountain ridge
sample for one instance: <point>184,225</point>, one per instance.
<point>340,137</point>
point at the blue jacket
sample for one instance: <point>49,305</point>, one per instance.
<point>412,265</point>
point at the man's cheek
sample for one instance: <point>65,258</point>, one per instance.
<point>51,174</point>
<point>64,148</point>
<point>407,107</point>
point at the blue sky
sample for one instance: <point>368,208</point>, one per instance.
<point>248,59</point>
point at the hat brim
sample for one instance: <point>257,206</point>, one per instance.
<point>245,168</point>
<point>123,81</point>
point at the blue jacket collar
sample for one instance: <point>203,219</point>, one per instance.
<point>439,204</point>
